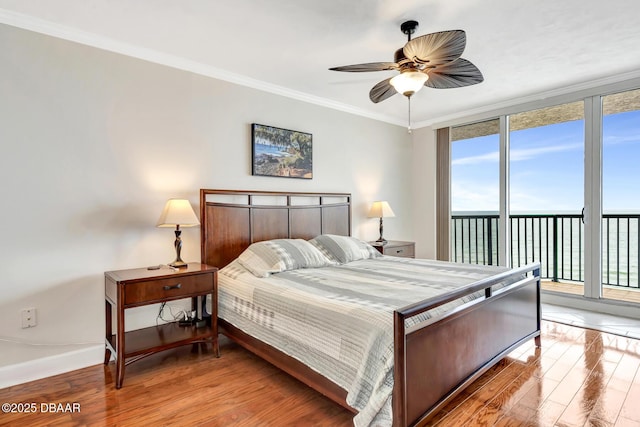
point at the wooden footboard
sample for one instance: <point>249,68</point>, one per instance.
<point>437,359</point>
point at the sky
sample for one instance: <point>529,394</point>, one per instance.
<point>547,168</point>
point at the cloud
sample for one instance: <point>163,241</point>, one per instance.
<point>516,155</point>
<point>619,139</point>
<point>492,157</point>
<point>471,196</point>
<point>474,196</point>
<point>527,201</point>
<point>531,153</point>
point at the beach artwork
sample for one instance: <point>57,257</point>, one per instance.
<point>281,152</point>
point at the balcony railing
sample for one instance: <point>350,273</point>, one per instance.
<point>555,240</point>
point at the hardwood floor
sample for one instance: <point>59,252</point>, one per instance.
<point>579,377</point>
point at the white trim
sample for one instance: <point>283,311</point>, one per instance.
<point>67,33</point>
<point>32,370</point>
<point>593,197</point>
<point>505,204</point>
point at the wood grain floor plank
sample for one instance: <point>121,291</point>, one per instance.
<point>625,422</point>
<point>520,416</point>
<point>547,414</point>
<point>503,403</point>
<point>608,407</point>
<point>631,404</point>
<point>579,410</point>
<point>461,398</point>
<point>482,396</point>
<point>578,377</point>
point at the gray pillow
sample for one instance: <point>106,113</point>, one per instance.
<point>274,256</point>
<point>344,249</point>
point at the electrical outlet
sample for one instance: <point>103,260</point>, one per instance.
<point>29,318</point>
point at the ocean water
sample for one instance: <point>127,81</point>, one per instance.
<point>272,150</point>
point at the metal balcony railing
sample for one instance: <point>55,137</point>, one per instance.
<point>555,240</point>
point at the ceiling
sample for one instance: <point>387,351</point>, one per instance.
<point>525,50</point>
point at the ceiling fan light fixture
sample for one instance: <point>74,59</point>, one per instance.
<point>409,82</point>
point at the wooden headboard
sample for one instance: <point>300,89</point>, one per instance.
<point>231,220</point>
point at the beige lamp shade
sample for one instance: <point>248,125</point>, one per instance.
<point>381,209</point>
<point>178,212</point>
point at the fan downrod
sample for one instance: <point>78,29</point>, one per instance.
<point>408,28</point>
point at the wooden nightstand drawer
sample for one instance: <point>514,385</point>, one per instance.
<point>167,289</point>
<point>401,251</point>
<point>396,248</point>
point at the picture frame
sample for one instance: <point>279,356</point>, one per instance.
<point>281,152</point>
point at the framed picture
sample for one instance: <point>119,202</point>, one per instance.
<point>281,152</point>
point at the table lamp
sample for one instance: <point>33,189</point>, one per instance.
<point>178,212</point>
<point>381,210</point>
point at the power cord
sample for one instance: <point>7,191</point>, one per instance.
<point>184,317</point>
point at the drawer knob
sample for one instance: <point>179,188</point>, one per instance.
<point>168,288</point>
<point>399,251</point>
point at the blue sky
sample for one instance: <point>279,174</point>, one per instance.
<point>547,168</point>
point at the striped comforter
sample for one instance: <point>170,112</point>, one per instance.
<point>338,320</point>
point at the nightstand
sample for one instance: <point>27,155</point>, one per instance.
<point>396,248</point>
<point>141,286</point>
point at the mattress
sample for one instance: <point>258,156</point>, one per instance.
<point>338,320</point>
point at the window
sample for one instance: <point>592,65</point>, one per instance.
<point>620,203</point>
<point>475,192</point>
<point>546,181</point>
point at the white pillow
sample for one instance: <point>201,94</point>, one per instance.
<point>275,256</point>
<point>344,249</point>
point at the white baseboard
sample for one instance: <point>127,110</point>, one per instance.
<point>36,369</point>
<point>606,306</point>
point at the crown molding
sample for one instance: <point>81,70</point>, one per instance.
<point>53,29</point>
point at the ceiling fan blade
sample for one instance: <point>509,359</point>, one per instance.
<point>436,48</point>
<point>382,91</point>
<point>455,74</point>
<point>371,66</point>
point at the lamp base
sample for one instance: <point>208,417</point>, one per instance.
<point>178,264</point>
<point>381,240</point>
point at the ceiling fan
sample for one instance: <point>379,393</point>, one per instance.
<point>431,60</point>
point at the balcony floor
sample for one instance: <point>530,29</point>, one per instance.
<point>608,292</point>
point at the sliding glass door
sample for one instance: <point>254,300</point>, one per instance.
<point>620,195</point>
<point>546,164</point>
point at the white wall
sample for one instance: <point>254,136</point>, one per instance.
<point>93,143</point>
<point>424,193</point>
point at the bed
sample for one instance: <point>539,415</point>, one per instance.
<point>428,368</point>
